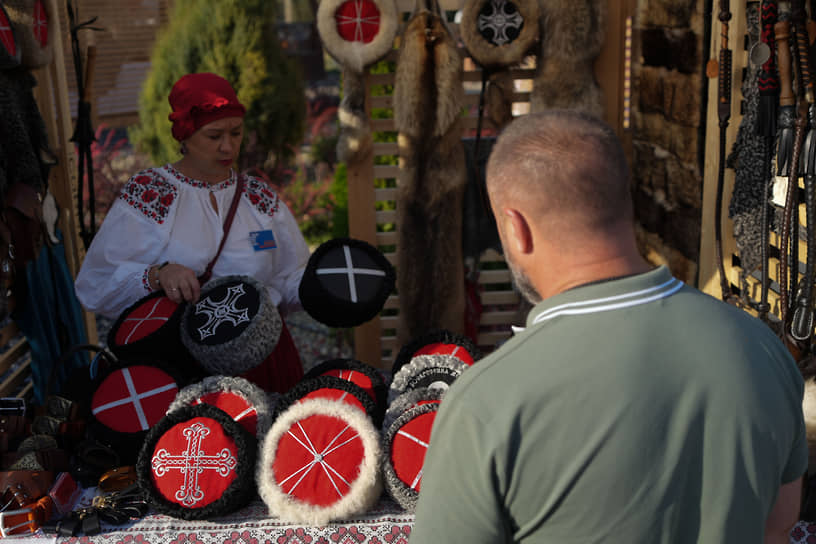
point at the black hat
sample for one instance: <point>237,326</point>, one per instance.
<point>499,34</point>
<point>333,388</point>
<point>438,342</point>
<point>197,463</point>
<point>409,399</point>
<point>233,327</point>
<point>346,283</point>
<point>357,372</point>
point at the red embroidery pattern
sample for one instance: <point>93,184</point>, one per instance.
<point>150,194</point>
<point>200,184</point>
<point>262,196</point>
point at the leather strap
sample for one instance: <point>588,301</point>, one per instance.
<point>239,189</point>
<point>13,425</point>
<point>117,479</point>
<point>28,484</point>
<point>27,519</point>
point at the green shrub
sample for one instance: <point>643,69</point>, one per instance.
<point>235,39</point>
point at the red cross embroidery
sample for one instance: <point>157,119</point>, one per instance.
<point>134,398</point>
<point>139,321</point>
<point>192,463</point>
<point>6,36</point>
<point>40,23</point>
<point>358,21</point>
<point>326,453</point>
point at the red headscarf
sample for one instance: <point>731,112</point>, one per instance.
<point>199,99</point>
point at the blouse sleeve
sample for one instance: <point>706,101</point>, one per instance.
<point>293,261</point>
<point>114,273</point>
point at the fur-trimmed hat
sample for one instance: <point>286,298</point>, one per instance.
<point>333,388</point>
<point>431,371</point>
<point>438,342</point>
<point>10,51</point>
<point>357,32</point>
<point>233,327</point>
<point>197,463</point>
<point>410,399</point>
<point>126,402</point>
<point>32,19</point>
<point>405,443</point>
<point>346,282</point>
<point>357,372</point>
<point>241,399</point>
<point>342,441</point>
<point>499,33</point>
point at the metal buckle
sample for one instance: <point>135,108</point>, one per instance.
<point>6,532</point>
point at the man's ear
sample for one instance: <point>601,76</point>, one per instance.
<point>518,231</point>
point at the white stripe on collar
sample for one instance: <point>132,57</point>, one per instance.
<point>605,304</point>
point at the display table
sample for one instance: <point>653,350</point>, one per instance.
<point>386,523</point>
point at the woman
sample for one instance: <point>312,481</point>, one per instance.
<point>168,222</point>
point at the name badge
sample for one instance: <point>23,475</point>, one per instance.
<point>262,239</point>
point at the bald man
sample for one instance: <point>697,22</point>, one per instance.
<point>632,408</point>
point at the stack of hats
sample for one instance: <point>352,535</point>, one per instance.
<point>199,460</point>
<point>425,368</point>
<point>320,461</point>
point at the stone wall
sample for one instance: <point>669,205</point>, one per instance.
<point>667,94</point>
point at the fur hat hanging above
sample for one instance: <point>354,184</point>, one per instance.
<point>242,400</point>
<point>320,462</point>
<point>197,463</point>
<point>439,342</point>
<point>499,33</point>
<point>149,330</point>
<point>357,372</point>
<point>332,388</point>
<point>357,32</point>
<point>431,371</point>
<point>346,282</point>
<point>128,401</point>
<point>10,51</point>
<point>32,21</point>
<point>405,443</point>
<point>233,327</point>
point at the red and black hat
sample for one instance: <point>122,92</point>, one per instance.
<point>233,327</point>
<point>438,342</point>
<point>10,51</point>
<point>241,399</point>
<point>126,402</point>
<point>405,443</point>
<point>319,463</point>
<point>357,32</point>
<point>332,388</point>
<point>32,20</point>
<point>431,371</point>
<point>346,282</point>
<point>149,330</point>
<point>410,399</point>
<point>357,372</point>
<point>499,33</point>
<point>197,463</point>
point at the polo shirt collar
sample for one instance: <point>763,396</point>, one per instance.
<point>606,296</point>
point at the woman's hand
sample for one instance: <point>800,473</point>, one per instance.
<point>179,283</point>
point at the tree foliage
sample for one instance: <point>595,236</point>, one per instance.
<point>237,40</point>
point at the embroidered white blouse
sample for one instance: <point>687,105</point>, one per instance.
<point>162,215</point>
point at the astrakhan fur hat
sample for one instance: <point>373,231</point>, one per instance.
<point>357,32</point>
<point>499,33</point>
<point>431,371</point>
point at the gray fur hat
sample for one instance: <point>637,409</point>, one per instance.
<point>408,400</point>
<point>233,327</point>
<point>217,390</point>
<point>431,371</point>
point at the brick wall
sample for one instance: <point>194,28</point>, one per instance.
<point>667,92</point>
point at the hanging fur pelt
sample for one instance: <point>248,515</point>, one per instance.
<point>572,33</point>
<point>355,139</point>
<point>428,100</point>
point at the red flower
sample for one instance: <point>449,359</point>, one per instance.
<point>167,199</point>
<point>149,195</point>
<point>142,180</point>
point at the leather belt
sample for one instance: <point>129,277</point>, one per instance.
<point>117,479</point>
<point>26,505</point>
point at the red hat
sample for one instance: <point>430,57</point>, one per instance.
<point>199,99</point>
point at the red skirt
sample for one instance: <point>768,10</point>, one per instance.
<point>281,370</point>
